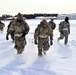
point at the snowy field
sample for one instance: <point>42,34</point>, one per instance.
<point>59,60</point>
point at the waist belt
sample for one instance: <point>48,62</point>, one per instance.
<point>18,35</point>
<point>43,36</point>
<point>65,29</point>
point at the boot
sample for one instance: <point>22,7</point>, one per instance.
<point>44,52</point>
<point>40,52</point>
<point>19,51</point>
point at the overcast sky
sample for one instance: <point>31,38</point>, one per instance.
<point>37,6</point>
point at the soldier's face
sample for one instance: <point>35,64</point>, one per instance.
<point>20,17</point>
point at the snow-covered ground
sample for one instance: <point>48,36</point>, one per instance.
<point>59,60</point>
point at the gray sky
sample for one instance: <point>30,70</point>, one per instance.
<point>37,6</point>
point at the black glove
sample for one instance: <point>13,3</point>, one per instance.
<point>35,42</point>
<point>68,32</point>
<point>61,32</point>
<point>23,35</point>
<point>7,38</point>
<point>51,42</point>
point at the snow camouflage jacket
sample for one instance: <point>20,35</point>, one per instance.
<point>19,27</point>
<point>64,26</point>
<point>43,32</point>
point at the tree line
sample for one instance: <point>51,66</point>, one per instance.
<point>28,16</point>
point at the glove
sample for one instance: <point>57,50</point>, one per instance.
<point>61,32</point>
<point>7,38</point>
<point>23,35</point>
<point>51,42</point>
<point>35,42</point>
<point>68,32</point>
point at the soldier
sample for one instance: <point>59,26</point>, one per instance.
<point>64,29</point>
<point>20,28</point>
<point>41,37</point>
<point>2,25</point>
<point>52,24</point>
<point>11,33</point>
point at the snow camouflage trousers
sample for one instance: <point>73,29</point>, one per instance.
<point>65,36</point>
<point>20,43</point>
<point>43,44</point>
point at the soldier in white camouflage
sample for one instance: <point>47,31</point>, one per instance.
<point>20,28</point>
<point>64,29</point>
<point>41,37</point>
<point>2,25</point>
